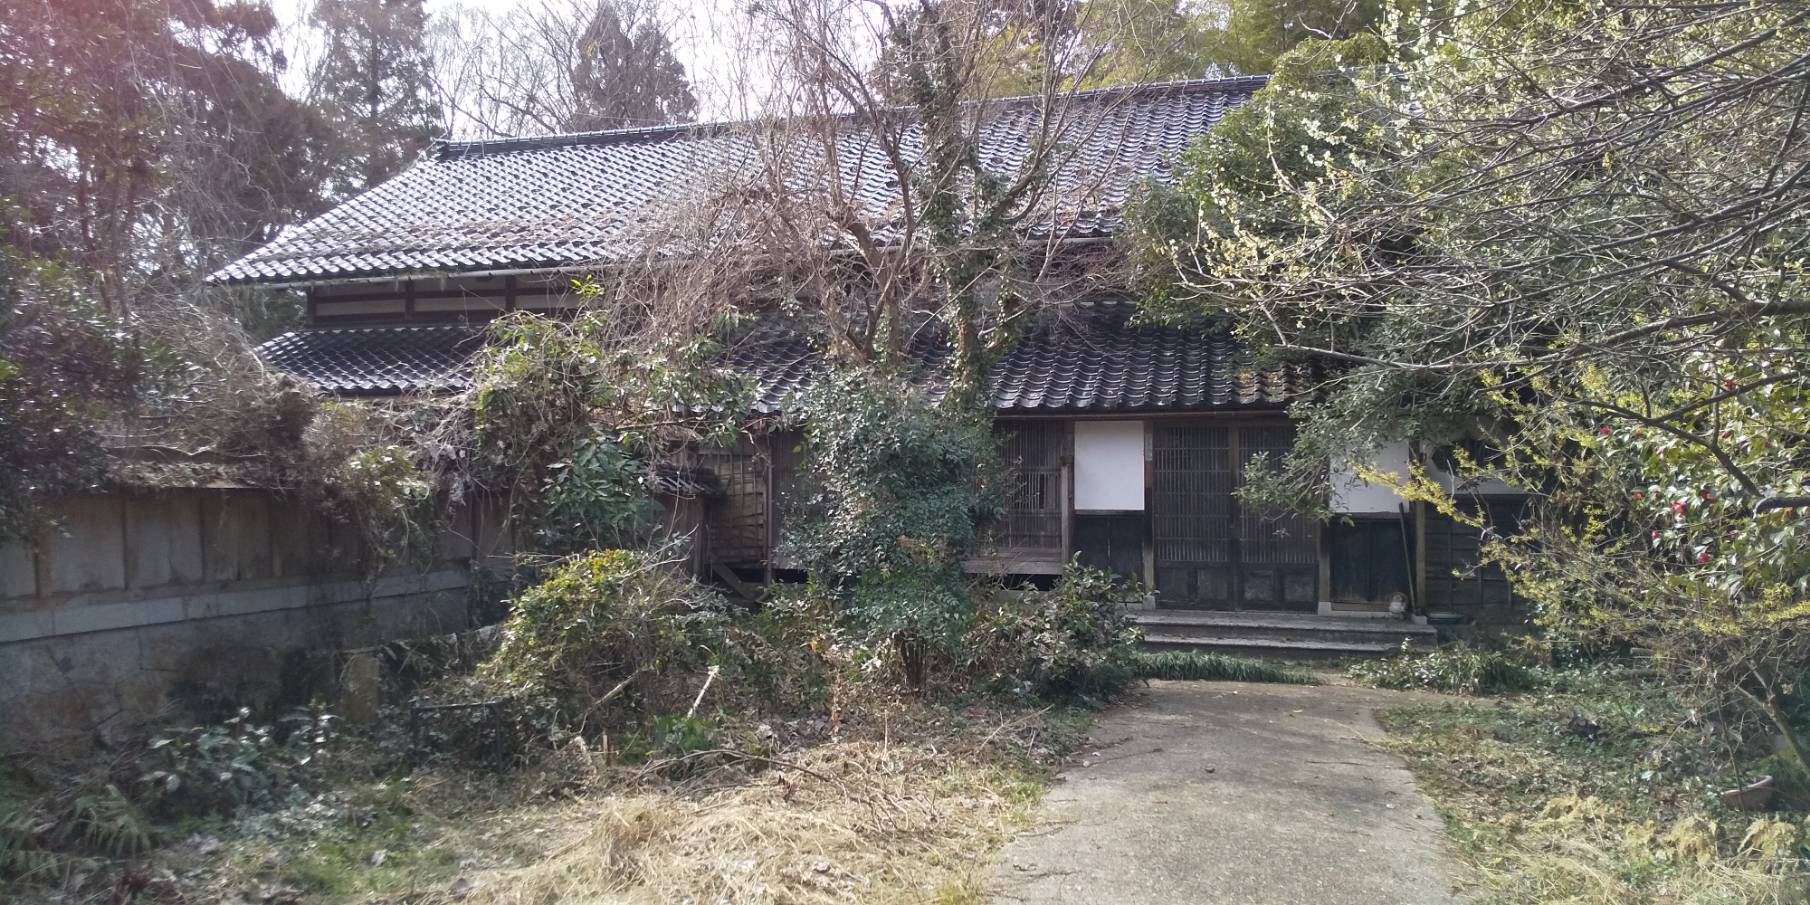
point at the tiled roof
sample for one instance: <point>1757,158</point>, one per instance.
<point>1088,358</point>
<point>377,361</point>
<point>1095,358</point>
<point>574,201</point>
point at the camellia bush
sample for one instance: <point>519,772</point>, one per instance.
<point>1075,640</point>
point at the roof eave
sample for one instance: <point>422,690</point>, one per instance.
<point>353,278</point>
<point>393,276</point>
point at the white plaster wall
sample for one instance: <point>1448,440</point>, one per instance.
<point>1109,465</point>
<point>1352,494</point>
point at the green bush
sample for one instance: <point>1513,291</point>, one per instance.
<point>615,633</point>
<point>1215,667</point>
<point>103,814</point>
<point>66,367</point>
<point>672,736</point>
<point>239,763</point>
<point>1456,668</point>
<point>1074,640</point>
<point>898,489</point>
<point>596,496</point>
<point>566,412</point>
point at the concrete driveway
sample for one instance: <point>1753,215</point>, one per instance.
<point>1226,792</point>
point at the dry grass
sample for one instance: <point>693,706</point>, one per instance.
<point>908,802</point>
<point>1582,850</point>
<point>864,820</point>
<point>1582,796</point>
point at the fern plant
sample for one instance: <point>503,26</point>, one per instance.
<point>102,820</point>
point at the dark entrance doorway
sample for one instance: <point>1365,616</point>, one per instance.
<point>1212,551</point>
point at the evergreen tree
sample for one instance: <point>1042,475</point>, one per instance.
<point>1256,32</point>
<point>624,74</point>
<point>146,142</point>
<point>373,82</point>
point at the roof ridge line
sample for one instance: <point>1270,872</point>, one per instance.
<point>449,149</point>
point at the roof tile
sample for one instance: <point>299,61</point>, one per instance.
<point>1090,357</point>
<point>573,201</point>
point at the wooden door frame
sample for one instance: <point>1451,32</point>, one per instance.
<point>1236,554</point>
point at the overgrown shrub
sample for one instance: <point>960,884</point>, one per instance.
<point>898,490</point>
<point>611,638</point>
<point>1455,668</point>
<point>65,368</point>
<point>784,658</point>
<point>214,770</point>
<point>565,413</point>
<point>362,467</point>
<point>1074,640</point>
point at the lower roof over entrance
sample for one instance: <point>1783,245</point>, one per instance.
<point>1091,357</point>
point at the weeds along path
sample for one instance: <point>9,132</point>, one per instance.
<point>1228,792</point>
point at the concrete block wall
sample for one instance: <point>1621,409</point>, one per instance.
<point>138,605</point>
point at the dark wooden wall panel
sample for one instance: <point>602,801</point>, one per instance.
<point>1456,580</point>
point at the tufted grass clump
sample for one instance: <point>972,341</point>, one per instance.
<point>1214,667</point>
<point>1457,669</point>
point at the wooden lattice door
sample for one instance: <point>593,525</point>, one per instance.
<point>1210,550</point>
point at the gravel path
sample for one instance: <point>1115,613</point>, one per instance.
<point>1225,792</point>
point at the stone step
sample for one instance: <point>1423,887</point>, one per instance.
<point>1291,627</point>
<point>1280,648</point>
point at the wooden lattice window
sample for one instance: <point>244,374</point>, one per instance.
<point>1034,453</point>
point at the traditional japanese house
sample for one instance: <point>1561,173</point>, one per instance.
<point>1128,439</point>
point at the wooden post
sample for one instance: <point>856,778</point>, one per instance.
<point>1067,494</point>
<point>1323,577</point>
<point>1149,521</point>
<point>1420,556</point>
<point>771,508</point>
<point>1235,520</point>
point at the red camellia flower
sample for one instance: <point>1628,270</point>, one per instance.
<point>1702,557</point>
<point>1639,496</point>
<point>1604,430</point>
<point>1708,496</point>
<point>1678,507</point>
<point>1654,534</point>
